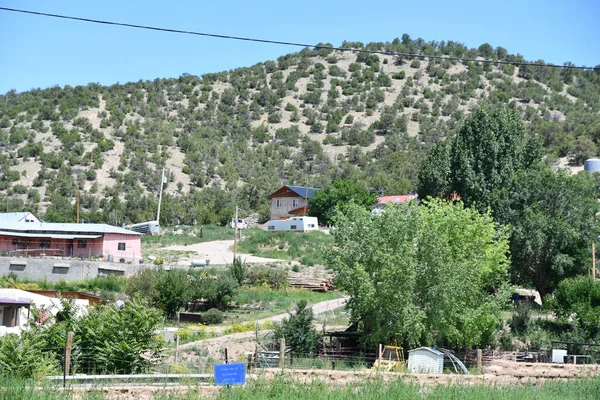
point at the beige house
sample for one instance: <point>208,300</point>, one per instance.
<point>290,201</point>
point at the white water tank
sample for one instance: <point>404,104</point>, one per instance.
<point>592,165</point>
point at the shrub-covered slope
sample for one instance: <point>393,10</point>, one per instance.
<point>235,136</point>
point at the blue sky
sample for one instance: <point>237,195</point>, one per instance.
<point>40,52</point>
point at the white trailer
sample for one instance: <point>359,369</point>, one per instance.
<point>294,224</point>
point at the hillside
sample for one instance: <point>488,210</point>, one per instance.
<point>235,136</point>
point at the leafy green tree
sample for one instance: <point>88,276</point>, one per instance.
<point>421,274</point>
<point>172,290</point>
<point>553,223</point>
<point>578,299</point>
<point>338,196</point>
<point>298,330</point>
<point>487,152</point>
<point>434,174</point>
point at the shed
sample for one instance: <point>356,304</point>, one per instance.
<point>425,360</point>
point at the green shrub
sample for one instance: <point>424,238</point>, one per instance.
<point>212,316</point>
<point>298,331</point>
<point>272,277</point>
<point>399,75</point>
<point>579,299</point>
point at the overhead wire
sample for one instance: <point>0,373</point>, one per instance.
<point>295,44</point>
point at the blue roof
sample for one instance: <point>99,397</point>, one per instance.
<point>301,191</point>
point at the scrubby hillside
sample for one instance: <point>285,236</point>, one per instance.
<point>306,118</point>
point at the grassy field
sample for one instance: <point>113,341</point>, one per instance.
<point>307,248</point>
<point>277,301</point>
<point>288,389</point>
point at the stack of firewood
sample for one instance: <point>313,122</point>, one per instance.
<point>314,284</point>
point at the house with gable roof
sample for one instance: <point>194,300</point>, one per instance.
<point>290,201</point>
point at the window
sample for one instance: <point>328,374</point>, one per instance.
<point>271,227</point>
<point>295,203</point>
<point>44,243</point>
<point>121,246</point>
<point>311,225</point>
<point>293,226</point>
<point>16,242</point>
<point>278,203</point>
<point>81,244</point>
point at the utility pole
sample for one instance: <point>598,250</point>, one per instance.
<point>77,205</point>
<point>593,261</point>
<point>306,197</point>
<point>235,234</point>
<point>162,182</point>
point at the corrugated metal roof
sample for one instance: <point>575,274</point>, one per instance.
<point>64,228</point>
<point>49,235</point>
<point>302,192</point>
<point>434,351</point>
<point>13,217</point>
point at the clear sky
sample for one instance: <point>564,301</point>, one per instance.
<point>40,52</point>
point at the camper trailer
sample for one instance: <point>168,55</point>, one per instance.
<point>294,224</point>
<point>147,228</point>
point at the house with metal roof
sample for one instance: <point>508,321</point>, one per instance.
<point>38,238</point>
<point>17,217</point>
<point>290,201</point>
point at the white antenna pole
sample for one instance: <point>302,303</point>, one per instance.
<point>162,182</point>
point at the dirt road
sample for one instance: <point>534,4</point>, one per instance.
<point>218,252</point>
<point>318,308</point>
<point>239,343</point>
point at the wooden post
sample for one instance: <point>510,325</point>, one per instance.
<point>479,360</point>
<point>176,348</point>
<point>67,360</point>
<point>235,234</point>
<point>226,357</point>
<point>593,261</point>
<point>281,353</point>
<point>379,355</point>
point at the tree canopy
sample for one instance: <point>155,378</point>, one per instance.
<point>553,222</point>
<point>485,154</point>
<point>421,274</point>
<point>338,196</point>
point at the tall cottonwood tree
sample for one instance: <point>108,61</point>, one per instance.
<point>553,222</point>
<point>488,151</point>
<point>421,274</point>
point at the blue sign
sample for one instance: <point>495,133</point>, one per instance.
<point>230,374</point>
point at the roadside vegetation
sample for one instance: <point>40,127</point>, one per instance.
<point>287,388</point>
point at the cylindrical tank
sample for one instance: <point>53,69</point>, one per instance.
<point>592,165</point>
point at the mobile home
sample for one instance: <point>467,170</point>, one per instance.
<point>294,224</point>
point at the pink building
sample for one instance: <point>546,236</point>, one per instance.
<point>35,238</point>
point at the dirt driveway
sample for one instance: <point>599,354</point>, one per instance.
<point>218,252</point>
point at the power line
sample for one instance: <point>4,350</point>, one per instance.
<point>296,44</point>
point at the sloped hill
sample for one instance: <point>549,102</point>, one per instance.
<point>233,137</point>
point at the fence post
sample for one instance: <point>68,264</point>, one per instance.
<point>67,359</point>
<point>281,353</point>
<point>479,360</point>
<point>176,348</point>
<point>379,355</point>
